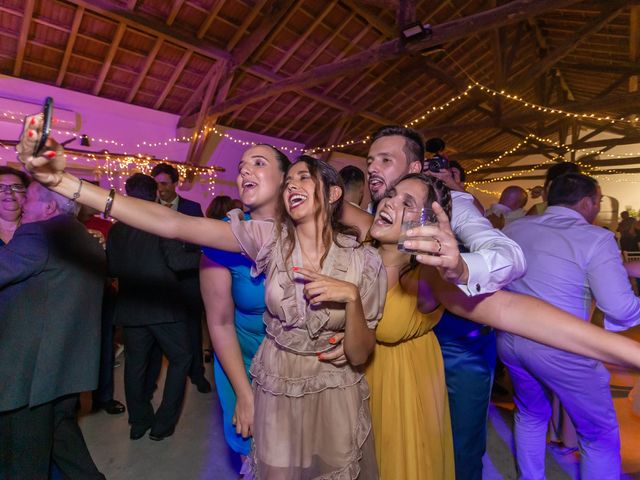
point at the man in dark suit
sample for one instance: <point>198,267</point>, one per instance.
<point>151,310</point>
<point>51,279</point>
<point>185,260</point>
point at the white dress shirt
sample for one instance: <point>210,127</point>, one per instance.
<point>570,261</point>
<point>494,260</point>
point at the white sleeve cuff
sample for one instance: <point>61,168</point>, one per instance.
<point>479,274</point>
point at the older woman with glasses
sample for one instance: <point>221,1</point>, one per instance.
<point>13,192</point>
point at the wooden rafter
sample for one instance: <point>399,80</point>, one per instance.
<point>611,11</point>
<point>24,35</point>
<point>443,33</point>
<point>371,17</point>
<point>173,79</point>
<point>211,87</point>
<point>110,56</point>
<point>282,113</point>
<point>302,38</point>
<point>634,44</point>
<point>207,21</point>
<point>248,20</point>
<point>405,13</point>
<point>629,101</point>
<point>73,34</point>
<point>199,92</point>
<point>243,51</point>
<point>300,116</point>
<point>153,27</point>
<point>579,145</point>
<point>249,47</point>
<point>175,9</point>
<point>143,73</point>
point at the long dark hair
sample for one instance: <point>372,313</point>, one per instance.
<point>437,191</point>
<point>327,214</point>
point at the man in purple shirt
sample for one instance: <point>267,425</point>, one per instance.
<point>570,263</point>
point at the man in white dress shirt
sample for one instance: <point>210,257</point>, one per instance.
<point>492,260</point>
<point>570,262</point>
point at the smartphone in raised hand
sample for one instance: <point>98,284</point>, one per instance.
<point>47,113</point>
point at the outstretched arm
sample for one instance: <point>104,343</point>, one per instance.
<point>532,318</point>
<point>48,169</point>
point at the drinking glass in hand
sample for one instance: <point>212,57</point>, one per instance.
<point>412,218</point>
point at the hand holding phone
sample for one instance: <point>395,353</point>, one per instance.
<point>46,126</point>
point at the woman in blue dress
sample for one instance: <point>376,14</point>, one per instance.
<point>234,300</point>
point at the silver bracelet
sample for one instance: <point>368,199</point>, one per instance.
<point>107,207</point>
<point>76,195</point>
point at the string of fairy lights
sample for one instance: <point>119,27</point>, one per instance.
<point>117,165</point>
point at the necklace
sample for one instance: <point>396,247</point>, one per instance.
<point>315,267</point>
<point>395,266</point>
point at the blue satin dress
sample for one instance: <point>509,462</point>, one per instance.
<point>248,297</point>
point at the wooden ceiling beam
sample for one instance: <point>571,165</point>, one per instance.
<point>200,91</point>
<point>610,103</point>
<point>73,34</point>
<point>248,20</point>
<point>386,4</point>
<point>145,69</point>
<point>117,37</point>
<point>175,9</point>
<point>282,113</point>
<point>260,112</point>
<point>211,87</point>
<point>24,35</point>
<point>327,41</point>
<point>207,21</point>
<point>371,17</point>
<point>443,33</point>
<point>153,27</point>
<point>609,12</point>
<point>300,116</point>
<point>634,43</point>
<point>610,162</point>
<point>628,68</point>
<point>277,17</point>
<point>304,36</point>
<point>173,79</point>
<point>579,145</point>
<point>405,13</point>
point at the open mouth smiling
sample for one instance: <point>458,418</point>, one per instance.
<point>296,199</point>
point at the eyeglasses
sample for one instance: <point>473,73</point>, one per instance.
<point>15,188</point>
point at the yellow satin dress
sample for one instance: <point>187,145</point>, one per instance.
<point>408,395</point>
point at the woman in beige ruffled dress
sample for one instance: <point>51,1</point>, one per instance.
<point>311,417</point>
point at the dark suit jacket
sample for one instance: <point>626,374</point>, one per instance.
<point>185,261</point>
<point>149,292</point>
<point>52,276</point>
<point>189,207</point>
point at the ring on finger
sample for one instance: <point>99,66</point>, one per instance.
<point>439,245</point>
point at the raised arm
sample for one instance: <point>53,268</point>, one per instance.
<point>48,169</point>
<point>353,216</point>
<point>215,287</point>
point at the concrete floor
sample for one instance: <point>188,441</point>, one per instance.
<point>197,449</point>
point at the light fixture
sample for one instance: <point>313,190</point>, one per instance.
<point>415,31</point>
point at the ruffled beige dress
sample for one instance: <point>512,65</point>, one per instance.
<point>311,418</point>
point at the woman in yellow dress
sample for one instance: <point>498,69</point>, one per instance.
<point>408,396</point>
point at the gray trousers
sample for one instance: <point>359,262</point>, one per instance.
<point>582,386</point>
